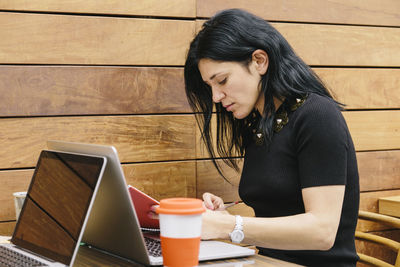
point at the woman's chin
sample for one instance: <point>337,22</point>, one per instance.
<point>240,115</point>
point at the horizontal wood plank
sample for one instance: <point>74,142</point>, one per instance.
<point>171,8</point>
<point>368,12</point>
<point>137,138</point>
<point>71,90</point>
<point>159,180</point>
<point>7,228</point>
<point>209,180</point>
<point>163,180</point>
<point>12,181</point>
<point>374,130</point>
<point>379,170</point>
<point>60,90</point>
<point>365,88</point>
<point>60,39</point>
<point>348,45</point>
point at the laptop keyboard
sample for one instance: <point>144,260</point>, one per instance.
<point>9,257</point>
<point>153,246</point>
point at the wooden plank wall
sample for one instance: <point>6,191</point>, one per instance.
<point>106,72</point>
<point>110,72</point>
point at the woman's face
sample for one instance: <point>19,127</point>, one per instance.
<point>234,85</point>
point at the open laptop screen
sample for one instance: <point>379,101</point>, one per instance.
<point>56,204</point>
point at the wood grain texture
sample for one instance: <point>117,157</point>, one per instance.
<point>60,90</point>
<point>171,8</point>
<point>379,170</point>
<point>163,180</point>
<point>365,88</point>
<point>71,90</point>
<point>347,45</point>
<point>159,180</point>
<point>137,138</point>
<point>12,181</point>
<point>367,12</point>
<point>389,206</point>
<point>90,257</point>
<point>374,130</point>
<point>369,202</point>
<point>7,228</point>
<point>337,45</point>
<point>209,180</point>
<point>87,257</point>
<point>61,39</point>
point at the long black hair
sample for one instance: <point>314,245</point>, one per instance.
<point>233,35</point>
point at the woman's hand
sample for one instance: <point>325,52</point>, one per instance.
<point>152,214</point>
<point>212,202</point>
<point>216,221</point>
<point>216,224</point>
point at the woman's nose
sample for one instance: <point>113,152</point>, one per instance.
<point>217,95</point>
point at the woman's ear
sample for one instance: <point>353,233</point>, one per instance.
<point>260,58</point>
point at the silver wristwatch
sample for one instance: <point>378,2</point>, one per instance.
<point>237,234</point>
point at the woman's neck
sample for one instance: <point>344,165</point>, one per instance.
<point>260,103</point>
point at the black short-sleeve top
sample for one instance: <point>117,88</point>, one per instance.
<point>313,149</point>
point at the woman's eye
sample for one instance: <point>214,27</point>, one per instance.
<point>223,81</point>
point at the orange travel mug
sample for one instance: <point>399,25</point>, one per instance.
<point>180,230</point>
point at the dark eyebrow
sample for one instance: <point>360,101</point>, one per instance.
<point>213,76</point>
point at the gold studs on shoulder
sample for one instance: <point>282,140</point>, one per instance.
<point>299,102</point>
<point>281,118</point>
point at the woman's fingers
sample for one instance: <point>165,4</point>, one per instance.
<point>152,213</point>
<point>212,202</point>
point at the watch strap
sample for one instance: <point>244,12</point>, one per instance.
<point>239,223</point>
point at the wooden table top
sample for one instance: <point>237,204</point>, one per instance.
<point>389,206</point>
<point>89,257</point>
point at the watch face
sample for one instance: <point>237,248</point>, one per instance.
<point>237,236</point>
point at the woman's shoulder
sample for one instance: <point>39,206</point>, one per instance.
<point>319,110</point>
<point>315,101</point>
<point>319,105</point>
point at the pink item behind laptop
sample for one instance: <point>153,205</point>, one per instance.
<point>142,204</point>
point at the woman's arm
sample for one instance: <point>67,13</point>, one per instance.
<point>313,230</point>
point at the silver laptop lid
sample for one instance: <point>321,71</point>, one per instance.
<point>58,201</point>
<point>113,225</point>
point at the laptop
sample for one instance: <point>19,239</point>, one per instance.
<point>55,211</point>
<point>113,226</point>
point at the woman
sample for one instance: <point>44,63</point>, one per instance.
<point>300,171</point>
